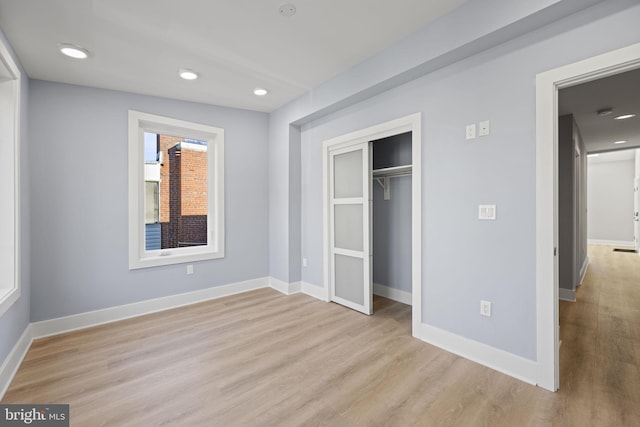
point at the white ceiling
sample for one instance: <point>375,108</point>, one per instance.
<point>620,92</point>
<point>613,156</point>
<point>236,45</point>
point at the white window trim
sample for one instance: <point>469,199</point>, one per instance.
<point>10,280</point>
<point>139,257</point>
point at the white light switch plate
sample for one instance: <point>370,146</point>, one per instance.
<point>487,212</point>
<point>485,308</point>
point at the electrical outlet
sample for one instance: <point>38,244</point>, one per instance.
<point>471,131</point>
<point>304,262</point>
<point>484,128</point>
<point>190,269</point>
<point>485,308</point>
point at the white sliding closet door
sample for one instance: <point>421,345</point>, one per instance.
<point>350,226</point>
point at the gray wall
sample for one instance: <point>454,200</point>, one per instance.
<point>14,321</point>
<point>458,70</point>
<point>78,165</point>
<point>572,183</point>
<point>581,211</point>
<point>464,260</point>
<point>392,218</point>
<point>392,235</point>
<point>452,38</point>
<point>610,186</point>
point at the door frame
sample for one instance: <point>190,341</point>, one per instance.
<point>410,123</point>
<point>547,86</point>
<point>636,207</point>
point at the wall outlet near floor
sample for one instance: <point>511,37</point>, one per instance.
<point>190,269</point>
<point>304,262</point>
<point>485,308</point>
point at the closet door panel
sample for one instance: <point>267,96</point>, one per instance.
<point>348,174</point>
<point>350,226</point>
<point>349,271</point>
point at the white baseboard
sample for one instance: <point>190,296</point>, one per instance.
<point>284,287</point>
<point>392,293</point>
<point>317,292</point>
<point>112,314</point>
<point>583,270</point>
<point>631,243</point>
<point>567,295</point>
<point>14,359</point>
<point>491,357</point>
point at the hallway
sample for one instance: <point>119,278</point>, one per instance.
<point>600,352</point>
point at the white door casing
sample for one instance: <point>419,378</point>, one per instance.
<point>547,85</point>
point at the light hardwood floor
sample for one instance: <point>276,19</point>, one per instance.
<point>264,359</point>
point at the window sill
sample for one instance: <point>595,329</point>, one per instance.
<point>169,257</point>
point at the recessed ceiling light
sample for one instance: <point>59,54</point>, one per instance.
<point>604,111</point>
<point>620,142</point>
<point>73,51</point>
<point>260,91</point>
<point>625,116</point>
<point>287,10</point>
<point>593,155</point>
<point>188,74</point>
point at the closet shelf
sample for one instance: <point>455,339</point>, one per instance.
<point>383,175</point>
<point>392,171</point>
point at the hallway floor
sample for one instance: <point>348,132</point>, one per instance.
<point>600,352</point>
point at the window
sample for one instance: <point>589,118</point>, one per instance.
<point>9,180</point>
<point>176,191</point>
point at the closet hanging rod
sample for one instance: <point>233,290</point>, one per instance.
<point>392,171</point>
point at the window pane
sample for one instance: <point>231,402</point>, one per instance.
<point>175,192</point>
<point>151,202</point>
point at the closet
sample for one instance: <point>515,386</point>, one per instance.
<point>391,211</point>
<point>368,213</point>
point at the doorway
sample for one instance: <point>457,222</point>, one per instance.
<point>547,86</point>
<point>347,214</point>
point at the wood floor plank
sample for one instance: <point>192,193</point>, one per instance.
<point>264,359</point>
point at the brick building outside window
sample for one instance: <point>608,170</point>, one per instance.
<point>176,194</point>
